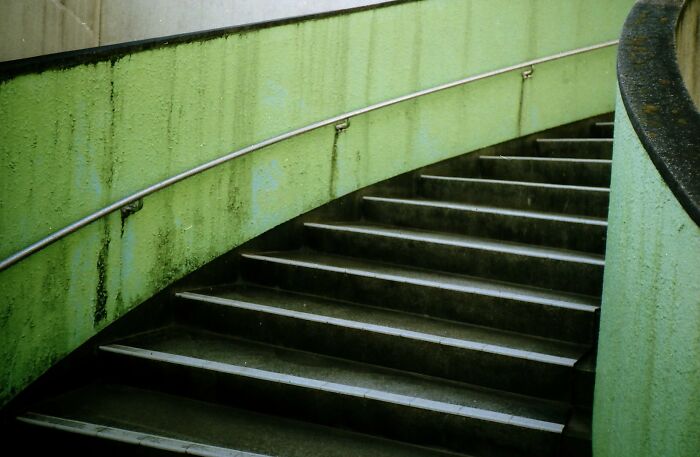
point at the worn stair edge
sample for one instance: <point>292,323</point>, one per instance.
<point>125,436</point>
<point>543,185</point>
<point>518,194</point>
<point>581,233</point>
<point>458,298</point>
<point>539,215</point>
<point>361,343</point>
<point>332,387</point>
<point>385,330</point>
<point>576,140</point>
<point>309,364</point>
<point>491,288</point>
<point>479,257</point>
<point>466,241</point>
<point>572,160</point>
<point>245,433</point>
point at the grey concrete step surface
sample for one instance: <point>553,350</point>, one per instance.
<point>538,266</point>
<point>322,389</point>
<point>441,295</point>
<point>581,148</point>
<point>579,233</point>
<point>120,420</point>
<point>551,170</point>
<point>459,319</point>
<point>410,342</point>
<point>555,198</point>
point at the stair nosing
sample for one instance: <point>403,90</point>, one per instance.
<point>512,248</point>
<point>539,215</point>
<point>334,387</point>
<point>518,183</point>
<point>575,140</point>
<point>384,330</point>
<point>126,436</point>
<point>547,159</point>
<point>525,297</point>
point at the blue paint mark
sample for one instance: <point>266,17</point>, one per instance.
<point>266,180</point>
<point>275,95</point>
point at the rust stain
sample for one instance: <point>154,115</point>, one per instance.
<point>649,108</point>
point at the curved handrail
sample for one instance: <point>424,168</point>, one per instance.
<point>659,106</point>
<point>47,241</point>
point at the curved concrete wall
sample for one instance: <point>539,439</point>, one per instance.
<point>78,138</point>
<point>647,393</point>
<point>36,27</point>
<point>688,48</point>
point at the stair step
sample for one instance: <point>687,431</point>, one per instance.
<point>324,389</point>
<point>99,418</point>
<point>496,304</point>
<point>579,233</point>
<point>582,148</point>
<point>603,129</point>
<point>556,198</point>
<point>404,341</point>
<point>514,262</point>
<point>571,171</point>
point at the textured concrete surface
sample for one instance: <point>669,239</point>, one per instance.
<point>655,95</point>
<point>648,376</point>
<point>128,20</point>
<point>688,48</point>
<point>77,139</point>
<point>36,27</point>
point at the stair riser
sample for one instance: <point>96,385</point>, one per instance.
<point>602,131</point>
<point>543,232</point>
<point>570,173</point>
<point>495,312</point>
<point>578,277</point>
<point>345,409</point>
<point>365,345</point>
<point>553,200</point>
<point>57,442</point>
<point>584,383</point>
<point>576,150</point>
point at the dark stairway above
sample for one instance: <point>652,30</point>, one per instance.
<point>456,317</point>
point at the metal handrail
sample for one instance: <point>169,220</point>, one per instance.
<point>75,226</point>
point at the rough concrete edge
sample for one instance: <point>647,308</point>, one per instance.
<point>63,60</point>
<point>656,99</point>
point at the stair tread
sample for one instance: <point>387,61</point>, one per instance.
<point>575,140</point>
<point>547,159</point>
<point>589,220</point>
<point>182,345</point>
<point>431,278</point>
<point>464,241</point>
<point>114,408</point>
<point>393,323</point>
<point>518,183</point>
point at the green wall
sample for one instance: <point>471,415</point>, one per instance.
<point>74,140</point>
<point>647,394</point>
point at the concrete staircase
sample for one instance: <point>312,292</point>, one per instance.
<point>458,317</point>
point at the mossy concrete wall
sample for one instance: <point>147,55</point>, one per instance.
<point>76,139</point>
<point>647,394</point>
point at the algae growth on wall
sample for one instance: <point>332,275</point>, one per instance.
<point>648,375</point>
<point>75,139</point>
